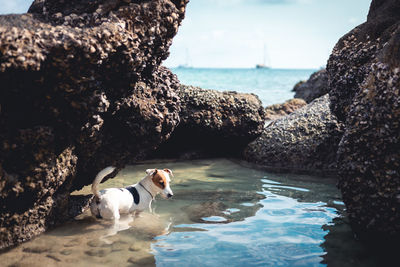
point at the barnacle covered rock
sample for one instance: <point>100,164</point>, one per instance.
<point>81,88</point>
<point>364,74</point>
<point>214,123</point>
<point>303,141</point>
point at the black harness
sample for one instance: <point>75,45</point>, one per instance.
<point>135,194</point>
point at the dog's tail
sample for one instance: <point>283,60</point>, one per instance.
<point>103,173</point>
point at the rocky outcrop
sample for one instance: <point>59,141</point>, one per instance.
<point>81,88</point>
<point>364,73</point>
<point>277,111</point>
<point>214,123</point>
<point>304,141</point>
<point>314,87</point>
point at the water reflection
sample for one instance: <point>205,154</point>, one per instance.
<point>221,213</point>
<point>282,231</point>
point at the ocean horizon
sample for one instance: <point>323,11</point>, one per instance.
<point>272,86</point>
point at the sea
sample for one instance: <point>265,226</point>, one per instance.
<point>272,86</point>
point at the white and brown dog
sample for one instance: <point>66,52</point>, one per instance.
<point>111,202</point>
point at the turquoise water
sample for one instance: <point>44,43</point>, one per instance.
<point>222,213</point>
<point>283,232</point>
<point>269,220</point>
<point>271,85</point>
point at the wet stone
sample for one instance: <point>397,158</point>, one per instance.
<point>142,261</point>
<point>97,243</point>
<point>72,243</point>
<point>98,252</point>
<point>135,247</point>
<point>118,246</point>
<point>206,209</point>
<point>66,252</point>
<point>36,249</point>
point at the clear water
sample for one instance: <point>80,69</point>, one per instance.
<point>271,85</point>
<point>222,213</point>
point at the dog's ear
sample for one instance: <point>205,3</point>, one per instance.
<point>169,171</point>
<point>151,171</point>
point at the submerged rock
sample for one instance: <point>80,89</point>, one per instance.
<point>277,111</point>
<point>314,87</point>
<point>81,89</point>
<point>364,73</point>
<point>214,123</point>
<point>306,140</point>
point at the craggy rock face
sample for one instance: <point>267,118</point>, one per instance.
<point>364,72</point>
<point>314,87</point>
<point>304,141</point>
<point>214,123</point>
<point>81,89</point>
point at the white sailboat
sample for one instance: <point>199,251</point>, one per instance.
<point>186,65</point>
<point>264,65</point>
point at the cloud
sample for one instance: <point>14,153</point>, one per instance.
<point>354,21</point>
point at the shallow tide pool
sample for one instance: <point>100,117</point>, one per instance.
<point>222,213</point>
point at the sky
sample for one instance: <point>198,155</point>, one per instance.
<point>233,33</point>
<point>241,33</point>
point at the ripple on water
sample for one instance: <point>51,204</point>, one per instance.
<point>214,219</point>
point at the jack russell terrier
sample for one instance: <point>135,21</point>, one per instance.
<point>111,202</point>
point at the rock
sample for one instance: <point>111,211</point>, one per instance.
<point>214,123</point>
<point>73,243</point>
<point>77,204</point>
<point>364,71</point>
<point>81,89</point>
<point>118,246</point>
<point>66,252</point>
<point>197,212</point>
<point>37,249</point>
<point>142,260</point>
<point>102,252</point>
<point>97,243</point>
<point>306,140</point>
<point>277,111</point>
<point>316,86</point>
<point>136,247</point>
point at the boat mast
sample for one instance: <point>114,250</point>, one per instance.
<point>265,55</point>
